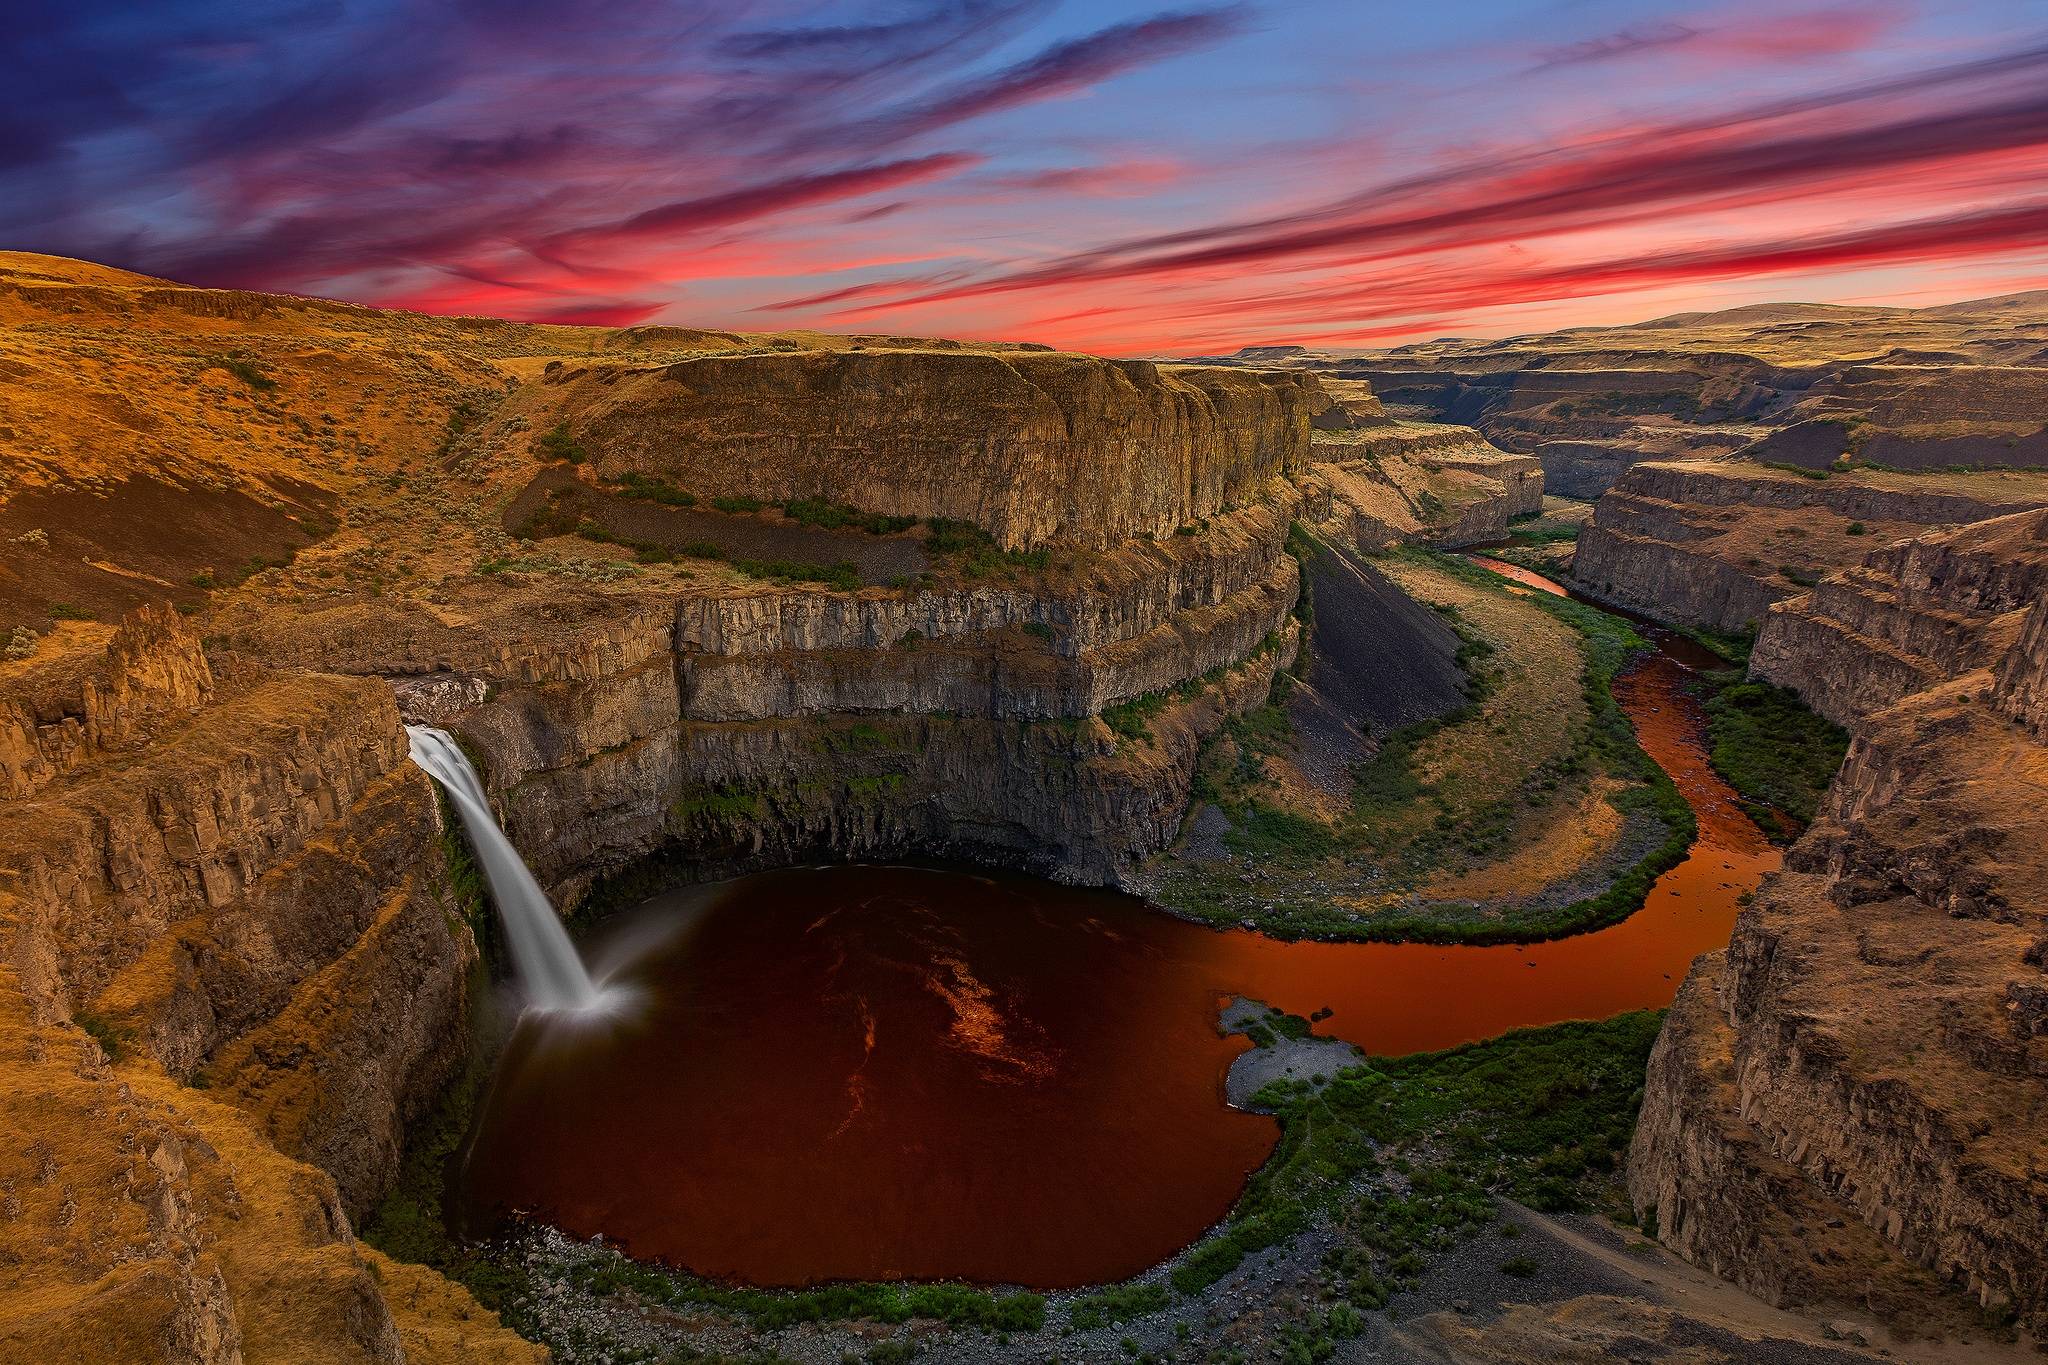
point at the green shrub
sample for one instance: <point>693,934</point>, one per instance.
<point>649,488</point>
<point>1120,1303</point>
<point>113,1040</point>
<point>843,576</point>
<point>558,444</point>
<point>833,516</point>
<point>242,368</point>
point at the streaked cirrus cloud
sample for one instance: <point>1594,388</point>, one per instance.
<point>1119,175</point>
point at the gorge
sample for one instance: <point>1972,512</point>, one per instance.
<point>863,701</point>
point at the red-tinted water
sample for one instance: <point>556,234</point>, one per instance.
<point>882,1072</point>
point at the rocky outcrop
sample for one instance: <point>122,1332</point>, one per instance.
<point>1413,480</point>
<point>2023,673</point>
<point>100,697</point>
<point>1845,1105</point>
<point>1035,448</point>
<point>229,879</point>
<point>249,893</point>
<point>1713,544</point>
<point>1853,1090</point>
<point>1910,616</point>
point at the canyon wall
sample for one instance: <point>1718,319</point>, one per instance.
<point>1446,485</point>
<point>1911,615</point>
<point>231,881</point>
<point>759,724</point>
<point>1713,544</point>
<point>1934,389</point>
<point>1846,1105</point>
<point>1034,447</point>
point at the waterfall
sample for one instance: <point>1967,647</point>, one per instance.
<point>542,956</point>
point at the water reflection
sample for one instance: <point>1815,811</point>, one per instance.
<point>880,1072</point>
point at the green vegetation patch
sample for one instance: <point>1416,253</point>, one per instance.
<point>242,368</point>
<point>112,1038</point>
<point>1404,1156</point>
<point>557,444</point>
<point>1777,754</point>
<point>724,803</point>
<point>1118,1304</point>
<point>975,553</point>
<point>837,516</point>
<point>651,488</point>
<point>843,576</point>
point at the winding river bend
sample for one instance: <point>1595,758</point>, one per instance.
<point>901,1072</point>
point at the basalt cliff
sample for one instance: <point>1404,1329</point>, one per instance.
<point>1845,1106</point>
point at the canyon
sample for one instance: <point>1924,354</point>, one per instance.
<point>706,604</point>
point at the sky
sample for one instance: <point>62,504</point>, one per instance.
<point>1095,174</point>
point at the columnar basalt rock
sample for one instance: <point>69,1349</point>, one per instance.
<point>1036,448</point>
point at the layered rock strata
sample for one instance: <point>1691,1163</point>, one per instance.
<point>1846,1106</point>
<point>1034,447</point>
<point>1911,615</point>
<point>1414,480</point>
<point>1713,544</point>
<point>759,724</point>
<point>1960,385</point>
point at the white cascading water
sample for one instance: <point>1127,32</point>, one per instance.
<point>548,968</point>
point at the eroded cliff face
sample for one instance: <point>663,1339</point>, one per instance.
<point>754,724</point>
<point>1713,544</point>
<point>1393,481</point>
<point>231,976</point>
<point>1034,447</point>
<point>1911,615</point>
<point>1846,1105</point>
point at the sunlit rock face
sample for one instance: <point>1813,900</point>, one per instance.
<point>1714,543</point>
<point>1842,1106</point>
<point>1035,447</point>
<point>1911,615</point>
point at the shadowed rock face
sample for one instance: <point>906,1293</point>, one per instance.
<point>1036,448</point>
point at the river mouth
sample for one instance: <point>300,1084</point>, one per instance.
<point>856,1072</point>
